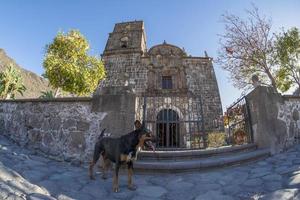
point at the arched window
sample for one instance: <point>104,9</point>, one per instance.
<point>124,42</point>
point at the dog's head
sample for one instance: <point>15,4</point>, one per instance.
<point>145,139</point>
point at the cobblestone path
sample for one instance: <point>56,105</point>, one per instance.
<point>25,175</point>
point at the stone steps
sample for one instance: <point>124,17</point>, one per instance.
<point>200,163</point>
<point>193,154</point>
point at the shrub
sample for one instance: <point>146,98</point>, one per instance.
<point>216,139</point>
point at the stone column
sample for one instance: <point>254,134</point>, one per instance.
<point>268,130</point>
<point>119,104</point>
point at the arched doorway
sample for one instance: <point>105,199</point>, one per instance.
<point>167,128</point>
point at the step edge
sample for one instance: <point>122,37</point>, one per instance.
<point>177,165</point>
<point>207,152</point>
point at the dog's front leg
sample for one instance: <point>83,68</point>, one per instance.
<point>130,173</point>
<point>136,153</point>
<point>116,178</point>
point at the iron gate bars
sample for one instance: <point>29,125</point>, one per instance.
<point>176,121</point>
<point>239,122</point>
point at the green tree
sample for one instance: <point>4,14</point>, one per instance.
<point>11,83</point>
<point>47,95</point>
<point>287,55</point>
<point>69,67</point>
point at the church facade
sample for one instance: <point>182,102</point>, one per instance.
<point>180,91</point>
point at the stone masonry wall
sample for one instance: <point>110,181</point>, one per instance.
<point>124,70</point>
<point>289,113</point>
<point>68,128</point>
<point>133,70</point>
<point>65,129</point>
<point>274,119</point>
<point>201,80</point>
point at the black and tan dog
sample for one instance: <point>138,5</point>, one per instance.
<point>120,150</point>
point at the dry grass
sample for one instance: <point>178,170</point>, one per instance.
<point>216,139</point>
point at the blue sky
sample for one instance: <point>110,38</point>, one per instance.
<point>27,26</point>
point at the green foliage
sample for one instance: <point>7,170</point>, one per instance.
<point>216,139</point>
<point>287,55</point>
<point>69,67</point>
<point>11,83</point>
<point>47,95</point>
<point>283,80</point>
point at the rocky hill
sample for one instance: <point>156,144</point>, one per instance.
<point>34,83</point>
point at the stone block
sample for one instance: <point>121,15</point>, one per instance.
<point>55,123</point>
<point>37,196</point>
<point>154,192</point>
<point>47,138</point>
<point>46,124</point>
<point>77,140</point>
<point>69,123</point>
<point>33,121</point>
<point>34,136</point>
<point>37,109</point>
<point>283,194</point>
<point>83,126</point>
<point>55,151</point>
<point>2,125</point>
<point>214,195</point>
<point>294,180</point>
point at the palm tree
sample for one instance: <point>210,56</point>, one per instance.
<point>11,83</point>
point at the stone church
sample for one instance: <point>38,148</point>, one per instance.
<point>180,92</point>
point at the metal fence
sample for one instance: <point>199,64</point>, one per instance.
<point>176,121</point>
<point>238,121</point>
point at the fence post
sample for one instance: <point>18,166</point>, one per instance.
<point>144,110</point>
<point>249,119</point>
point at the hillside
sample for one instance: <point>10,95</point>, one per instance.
<point>34,83</point>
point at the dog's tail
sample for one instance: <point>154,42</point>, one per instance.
<point>101,134</point>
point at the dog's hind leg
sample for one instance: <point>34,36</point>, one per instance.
<point>91,173</point>
<point>105,166</point>
<point>130,173</point>
<point>116,178</point>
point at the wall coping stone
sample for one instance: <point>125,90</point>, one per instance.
<point>64,99</point>
<point>291,97</point>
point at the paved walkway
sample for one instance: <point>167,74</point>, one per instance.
<point>25,175</point>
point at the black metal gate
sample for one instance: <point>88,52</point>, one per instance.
<point>176,121</point>
<point>238,121</point>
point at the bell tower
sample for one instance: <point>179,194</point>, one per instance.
<point>127,37</point>
<point>125,47</point>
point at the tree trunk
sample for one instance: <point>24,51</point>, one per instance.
<point>7,96</point>
<point>273,82</point>
<point>274,85</point>
<point>56,93</point>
